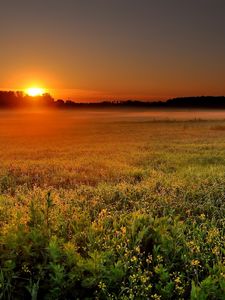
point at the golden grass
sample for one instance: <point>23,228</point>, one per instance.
<point>111,205</point>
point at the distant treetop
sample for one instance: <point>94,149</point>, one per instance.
<point>18,99</point>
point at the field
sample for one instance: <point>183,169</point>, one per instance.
<point>112,205</point>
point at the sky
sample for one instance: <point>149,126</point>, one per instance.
<point>92,50</point>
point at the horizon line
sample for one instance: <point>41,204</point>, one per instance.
<point>114,100</point>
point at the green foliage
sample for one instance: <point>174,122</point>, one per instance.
<point>139,216</point>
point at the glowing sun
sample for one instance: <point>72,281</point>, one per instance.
<point>35,91</point>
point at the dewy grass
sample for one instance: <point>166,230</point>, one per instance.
<point>117,208</point>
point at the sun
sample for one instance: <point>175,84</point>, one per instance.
<point>35,91</point>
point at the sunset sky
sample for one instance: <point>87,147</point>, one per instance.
<point>113,49</point>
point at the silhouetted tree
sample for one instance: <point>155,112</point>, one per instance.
<point>10,99</point>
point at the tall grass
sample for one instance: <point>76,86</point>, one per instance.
<point>118,208</point>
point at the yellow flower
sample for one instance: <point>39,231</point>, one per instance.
<point>69,247</point>
<point>25,268</point>
<point>137,249</point>
<point>102,285</point>
<point>180,289</point>
<point>202,216</point>
<point>216,250</point>
<point>212,234</point>
<point>149,259</point>
<point>195,262</point>
<point>156,297</point>
<point>133,277</point>
<point>123,230</point>
<point>159,258</point>
<point>188,211</point>
<point>143,279</point>
<point>118,247</point>
<point>177,280</point>
<point>133,259</point>
<point>103,213</point>
<point>193,247</point>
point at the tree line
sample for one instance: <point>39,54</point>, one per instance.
<point>18,99</point>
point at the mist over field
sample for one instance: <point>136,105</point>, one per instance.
<point>112,150</point>
<point>112,204</point>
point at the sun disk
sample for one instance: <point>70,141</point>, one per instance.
<point>35,91</point>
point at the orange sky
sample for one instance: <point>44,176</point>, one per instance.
<point>93,50</point>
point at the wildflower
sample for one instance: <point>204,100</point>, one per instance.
<point>148,287</point>
<point>137,249</point>
<point>103,211</point>
<point>193,247</point>
<point>102,286</point>
<point>134,259</point>
<point>216,250</point>
<point>156,297</point>
<point>25,268</point>
<point>144,278</point>
<point>157,269</point>
<point>123,230</point>
<point>212,234</point>
<point>159,258</point>
<point>149,259</point>
<point>195,262</point>
<point>202,216</point>
<point>177,280</point>
<point>180,289</point>
<point>133,278</point>
<point>69,247</point>
<point>188,211</point>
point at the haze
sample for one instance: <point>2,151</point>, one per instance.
<point>95,50</point>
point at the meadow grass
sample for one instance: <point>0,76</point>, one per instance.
<point>111,206</point>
